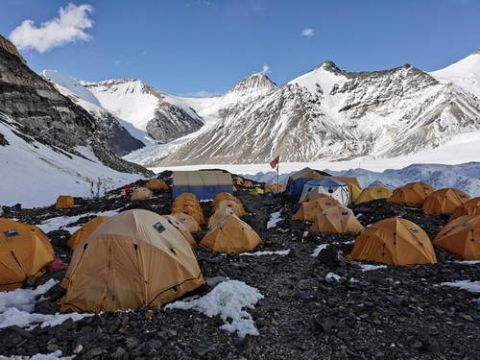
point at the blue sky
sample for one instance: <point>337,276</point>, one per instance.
<point>192,46</point>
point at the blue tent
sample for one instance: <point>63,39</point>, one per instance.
<point>339,190</point>
<point>204,184</point>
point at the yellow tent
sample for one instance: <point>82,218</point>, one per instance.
<point>412,194</point>
<point>187,235</point>
<point>219,215</point>
<point>137,259</point>
<point>444,201</point>
<point>231,235</point>
<point>471,207</point>
<point>224,196</point>
<point>141,193</point>
<point>188,221</point>
<point>336,219</point>
<point>235,206</point>
<point>394,241</point>
<point>64,202</point>
<point>25,251</point>
<point>373,193</point>
<point>82,233</point>
<point>275,188</point>
<point>188,204</point>
<point>256,191</point>
<point>156,184</point>
<point>461,237</point>
<point>309,210</point>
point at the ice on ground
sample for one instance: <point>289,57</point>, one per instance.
<point>16,307</point>
<point>319,249</point>
<point>262,253</point>
<point>274,219</point>
<point>466,262</point>
<point>61,222</point>
<point>370,267</point>
<point>57,355</point>
<point>332,277</point>
<point>472,286</point>
<point>23,299</point>
<point>227,300</point>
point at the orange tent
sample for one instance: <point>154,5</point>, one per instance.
<point>275,188</point>
<point>136,259</point>
<point>444,201</point>
<point>82,233</point>
<point>461,237</point>
<point>194,211</point>
<point>309,210</point>
<point>373,193</point>
<point>64,202</point>
<point>187,235</point>
<point>25,251</point>
<point>412,194</point>
<point>141,193</point>
<point>471,207</point>
<point>315,196</point>
<point>186,196</point>
<point>235,206</point>
<point>336,219</point>
<point>224,196</point>
<point>156,184</point>
<point>394,241</point>
<point>219,215</point>
<point>248,184</point>
<point>231,235</point>
<point>188,221</point>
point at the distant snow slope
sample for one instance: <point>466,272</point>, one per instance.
<point>34,174</point>
<point>464,73</point>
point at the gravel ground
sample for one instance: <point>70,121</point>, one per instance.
<point>387,313</point>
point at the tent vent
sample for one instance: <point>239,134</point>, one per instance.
<point>11,233</point>
<point>159,227</point>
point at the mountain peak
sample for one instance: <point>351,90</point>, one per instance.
<point>8,46</point>
<point>254,83</point>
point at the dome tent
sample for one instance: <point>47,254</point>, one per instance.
<point>394,241</point>
<point>188,203</point>
<point>156,184</point>
<point>461,237</point>
<point>309,210</point>
<point>297,179</point>
<point>188,221</point>
<point>82,233</point>
<point>64,202</point>
<point>336,219</point>
<point>471,207</point>
<point>141,193</point>
<point>187,235</point>
<point>338,190</point>
<point>444,201</point>
<point>224,196</point>
<point>136,259</point>
<point>25,251</point>
<point>219,215</point>
<point>412,194</point>
<point>235,206</point>
<point>373,193</point>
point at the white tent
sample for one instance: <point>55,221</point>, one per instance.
<point>334,188</point>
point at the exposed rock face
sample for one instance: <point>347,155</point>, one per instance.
<point>117,137</point>
<point>47,115</point>
<point>9,47</point>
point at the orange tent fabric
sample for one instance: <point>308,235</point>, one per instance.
<point>141,193</point>
<point>248,184</point>
<point>231,235</point>
<point>189,205</point>
<point>187,235</point>
<point>444,201</point>
<point>275,188</point>
<point>188,221</point>
<point>224,196</point>
<point>156,184</point>
<point>471,207</point>
<point>412,194</point>
<point>186,196</point>
<point>394,241</point>
<point>309,210</point>
<point>373,193</point>
<point>64,202</point>
<point>82,233</point>
<point>234,205</point>
<point>461,237</point>
<point>137,259</point>
<point>315,196</point>
<point>219,215</point>
<point>25,251</point>
<point>336,219</point>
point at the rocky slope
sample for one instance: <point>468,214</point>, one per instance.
<point>161,116</point>
<point>332,114</point>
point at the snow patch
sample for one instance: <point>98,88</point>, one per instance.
<point>472,286</point>
<point>319,249</point>
<point>262,253</point>
<point>330,277</point>
<point>23,299</point>
<point>61,222</point>
<point>369,267</point>
<point>274,219</point>
<point>57,355</point>
<point>227,300</point>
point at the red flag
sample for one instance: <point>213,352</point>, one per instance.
<point>275,162</point>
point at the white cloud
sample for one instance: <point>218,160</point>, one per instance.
<point>265,69</point>
<point>308,32</point>
<point>69,26</point>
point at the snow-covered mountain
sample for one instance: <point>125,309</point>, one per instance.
<point>333,114</point>
<point>464,73</point>
<point>163,117</point>
<point>48,144</point>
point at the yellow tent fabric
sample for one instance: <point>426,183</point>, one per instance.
<point>64,202</point>
<point>141,193</point>
<point>315,196</point>
<point>187,235</point>
<point>444,201</point>
<point>309,210</point>
<point>461,237</point>
<point>82,233</point>
<point>235,206</point>
<point>373,193</point>
<point>186,196</point>
<point>237,180</point>
<point>224,196</point>
<point>248,184</point>
<point>188,203</point>
<point>156,184</point>
<point>412,194</point>
<point>219,215</point>
<point>25,251</point>
<point>231,235</point>
<point>188,221</point>
<point>256,191</point>
<point>471,207</point>
<point>134,260</point>
<point>336,219</point>
<point>275,188</point>
<point>394,241</point>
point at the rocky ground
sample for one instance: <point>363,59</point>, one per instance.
<point>387,313</point>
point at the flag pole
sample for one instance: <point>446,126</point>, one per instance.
<point>278,175</point>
